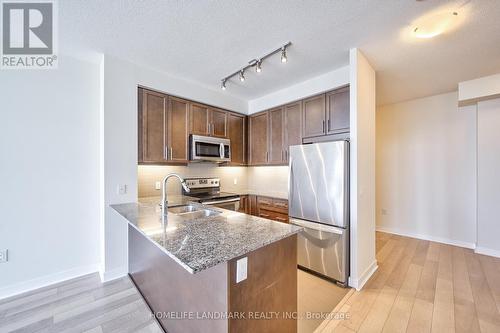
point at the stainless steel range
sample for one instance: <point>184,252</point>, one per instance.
<point>207,190</point>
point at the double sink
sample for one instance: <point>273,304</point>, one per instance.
<point>191,211</point>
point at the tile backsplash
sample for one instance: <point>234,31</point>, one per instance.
<point>271,181</point>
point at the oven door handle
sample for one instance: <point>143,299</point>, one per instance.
<point>220,201</point>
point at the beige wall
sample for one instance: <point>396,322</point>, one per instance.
<point>148,175</point>
<point>270,181</point>
<point>426,169</point>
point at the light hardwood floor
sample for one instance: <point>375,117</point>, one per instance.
<point>422,286</point>
<point>79,305</point>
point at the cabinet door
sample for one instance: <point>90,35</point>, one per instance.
<point>244,206</point>
<point>178,113</point>
<point>236,130</point>
<point>253,209</point>
<point>258,138</point>
<point>293,126</point>
<point>276,138</point>
<point>314,116</point>
<point>218,123</point>
<point>199,119</point>
<point>152,114</point>
<point>338,110</point>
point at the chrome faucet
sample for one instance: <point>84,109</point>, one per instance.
<point>164,200</point>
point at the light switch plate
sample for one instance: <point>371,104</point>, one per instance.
<point>122,189</point>
<point>158,185</point>
<point>241,269</point>
<point>4,256</point>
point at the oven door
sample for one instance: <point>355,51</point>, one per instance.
<point>229,204</point>
<point>204,148</point>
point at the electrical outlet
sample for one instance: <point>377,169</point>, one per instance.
<point>158,185</point>
<point>4,255</point>
<point>235,181</point>
<point>241,269</point>
<point>122,189</point>
<point>383,211</point>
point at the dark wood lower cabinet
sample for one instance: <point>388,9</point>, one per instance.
<point>173,293</point>
<point>266,207</point>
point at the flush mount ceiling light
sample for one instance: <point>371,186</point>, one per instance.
<point>257,63</point>
<point>434,25</point>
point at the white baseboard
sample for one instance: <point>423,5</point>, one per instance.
<point>47,280</point>
<point>487,252</point>
<point>361,281</point>
<point>113,274</point>
<point>427,237</point>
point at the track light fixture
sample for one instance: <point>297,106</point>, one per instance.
<point>283,55</point>
<point>257,63</point>
<point>258,66</point>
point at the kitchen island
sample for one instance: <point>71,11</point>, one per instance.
<point>213,270</point>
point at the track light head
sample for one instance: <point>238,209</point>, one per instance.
<point>223,84</point>
<point>283,55</point>
<point>242,75</point>
<point>258,66</point>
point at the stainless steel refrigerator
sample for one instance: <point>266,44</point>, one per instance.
<point>319,201</point>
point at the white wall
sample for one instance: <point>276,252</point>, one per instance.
<point>316,85</point>
<point>426,169</point>
<point>488,181</point>
<point>479,89</point>
<point>362,127</point>
<point>49,174</point>
<point>119,165</point>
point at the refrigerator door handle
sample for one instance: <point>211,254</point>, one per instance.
<point>318,226</point>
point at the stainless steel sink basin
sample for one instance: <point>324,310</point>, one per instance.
<point>192,211</point>
<point>184,209</point>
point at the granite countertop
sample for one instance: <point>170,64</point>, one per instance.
<point>201,243</point>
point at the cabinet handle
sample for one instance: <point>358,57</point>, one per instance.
<point>171,155</point>
<point>281,219</point>
<point>263,215</point>
<point>267,156</point>
<point>323,126</point>
<point>328,125</point>
<point>281,155</point>
<point>209,129</point>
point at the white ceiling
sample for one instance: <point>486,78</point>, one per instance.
<point>203,40</point>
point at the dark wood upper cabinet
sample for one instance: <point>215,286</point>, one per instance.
<point>218,123</point>
<point>199,119</point>
<point>338,109</point>
<point>258,139</point>
<point>292,126</point>
<point>314,116</point>
<point>276,137</point>
<point>152,130</point>
<point>207,121</point>
<point>178,124</point>
<point>236,129</point>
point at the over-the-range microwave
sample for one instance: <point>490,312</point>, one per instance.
<point>207,148</point>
